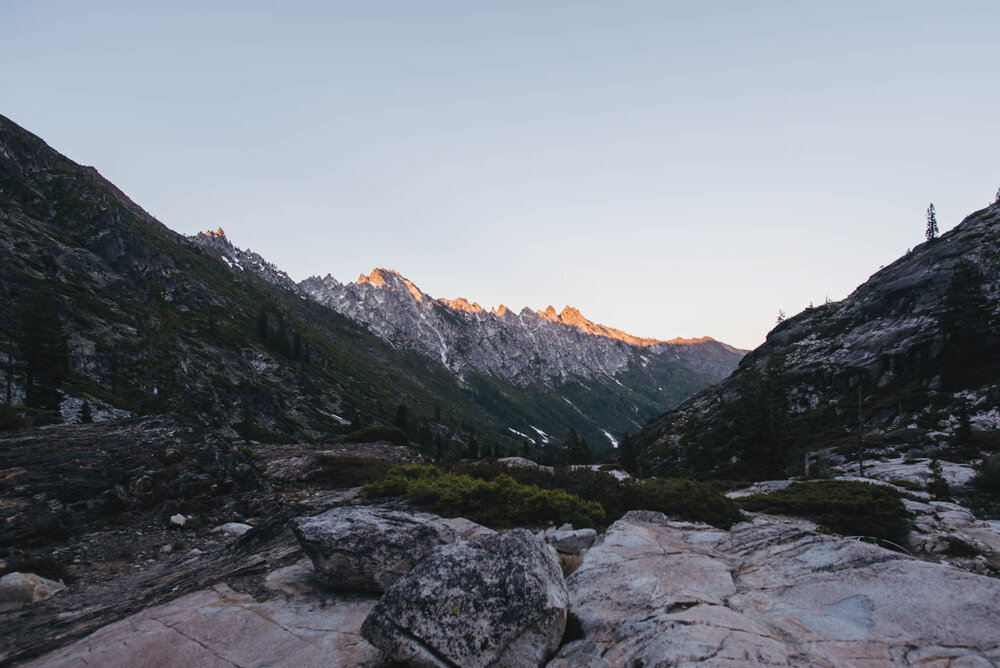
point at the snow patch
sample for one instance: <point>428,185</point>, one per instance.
<point>515,431</point>
<point>545,437</point>
<point>614,441</point>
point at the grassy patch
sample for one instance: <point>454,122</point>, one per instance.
<point>846,507</point>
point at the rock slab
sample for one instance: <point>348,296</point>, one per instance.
<point>493,601</point>
<point>656,592</point>
<point>364,548</point>
<point>224,628</point>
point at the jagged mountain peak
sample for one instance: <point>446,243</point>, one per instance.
<point>462,304</point>
<point>549,314</point>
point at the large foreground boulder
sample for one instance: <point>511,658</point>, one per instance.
<point>364,548</point>
<point>656,592</point>
<point>494,601</point>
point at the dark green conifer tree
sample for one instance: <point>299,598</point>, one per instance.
<point>402,421</point>
<point>576,450</point>
<point>626,454</point>
<point>932,226</point>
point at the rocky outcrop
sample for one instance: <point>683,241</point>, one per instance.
<point>656,592</point>
<point>570,541</point>
<point>494,601</point>
<point>58,480</point>
<point>365,548</point>
<point>243,263</point>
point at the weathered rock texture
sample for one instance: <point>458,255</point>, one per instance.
<point>571,541</point>
<point>219,627</point>
<point>366,548</point>
<point>494,601</point>
<point>656,592</point>
<point>58,480</point>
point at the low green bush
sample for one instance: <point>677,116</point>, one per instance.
<point>500,502</point>
<point>988,478</point>
<point>397,481</point>
<point>375,433</point>
<point>687,500</point>
<point>679,498</point>
<point>847,507</point>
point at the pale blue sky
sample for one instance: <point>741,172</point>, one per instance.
<point>671,169</point>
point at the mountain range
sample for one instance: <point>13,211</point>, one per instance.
<point>153,321</point>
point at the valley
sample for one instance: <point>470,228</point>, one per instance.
<point>199,455</point>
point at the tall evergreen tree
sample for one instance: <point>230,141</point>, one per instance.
<point>44,350</point>
<point>932,226</point>
<point>576,450</point>
<point>472,448</point>
<point>402,421</point>
<point>626,454</point>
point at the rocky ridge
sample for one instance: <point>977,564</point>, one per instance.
<point>243,261</point>
<point>522,347</point>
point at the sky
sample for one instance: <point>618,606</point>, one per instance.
<point>668,168</point>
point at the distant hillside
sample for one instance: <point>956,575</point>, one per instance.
<point>917,343</point>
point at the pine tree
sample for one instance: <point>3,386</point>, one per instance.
<point>86,415</point>
<point>401,419</point>
<point>938,486</point>
<point>576,450</point>
<point>626,454</point>
<point>932,226</point>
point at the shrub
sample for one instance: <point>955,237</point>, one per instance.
<point>340,472</point>
<point>846,507</point>
<point>687,500</point>
<point>393,435</point>
<point>500,502</point>
<point>988,478</point>
<point>679,498</point>
<point>396,482</point>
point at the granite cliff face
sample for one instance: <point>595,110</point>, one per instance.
<point>916,345</point>
<point>522,347</point>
